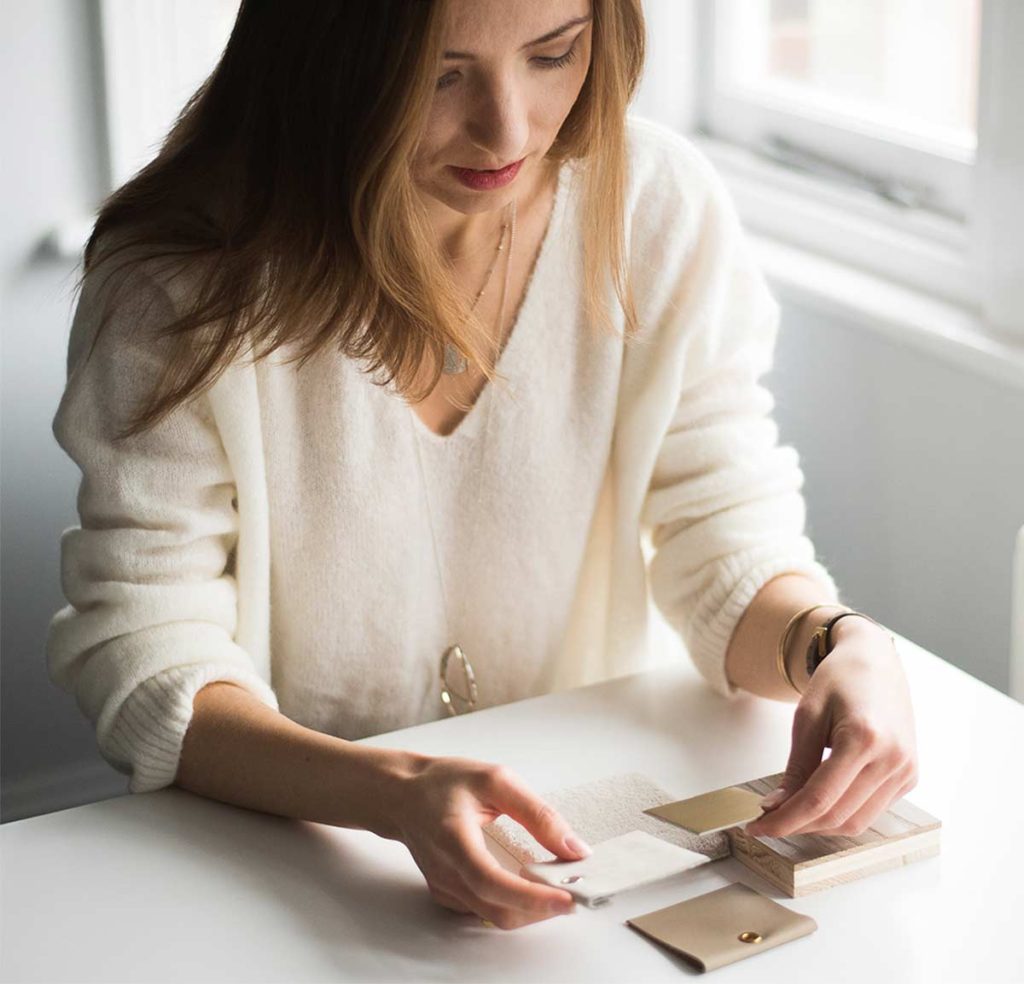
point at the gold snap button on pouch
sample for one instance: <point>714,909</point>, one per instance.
<point>705,929</point>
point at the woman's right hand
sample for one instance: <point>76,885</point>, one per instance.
<point>438,813</point>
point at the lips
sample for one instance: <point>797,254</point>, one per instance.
<point>486,180</point>
<point>487,170</point>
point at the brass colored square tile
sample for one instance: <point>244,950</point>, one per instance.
<point>717,810</point>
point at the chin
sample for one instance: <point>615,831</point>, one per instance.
<point>464,200</point>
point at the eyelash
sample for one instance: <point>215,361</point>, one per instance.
<point>545,63</point>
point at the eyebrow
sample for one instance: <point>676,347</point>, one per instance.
<point>550,36</point>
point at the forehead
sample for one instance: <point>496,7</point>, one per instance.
<point>480,27</point>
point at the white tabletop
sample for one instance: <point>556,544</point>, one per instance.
<point>169,886</point>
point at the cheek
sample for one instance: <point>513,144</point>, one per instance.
<point>564,91</point>
<point>441,129</point>
<point>556,97</point>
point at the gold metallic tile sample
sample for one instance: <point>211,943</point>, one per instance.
<point>717,810</point>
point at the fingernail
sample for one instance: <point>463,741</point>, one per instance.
<point>562,908</point>
<point>774,798</point>
<point>575,846</point>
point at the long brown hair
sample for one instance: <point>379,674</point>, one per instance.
<point>283,191</point>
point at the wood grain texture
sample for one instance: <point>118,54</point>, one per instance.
<point>804,863</point>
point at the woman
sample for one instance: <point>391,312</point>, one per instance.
<point>308,490</point>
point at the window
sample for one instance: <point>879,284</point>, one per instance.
<point>156,53</point>
<point>880,94</point>
<point>905,64</point>
<point>882,133</point>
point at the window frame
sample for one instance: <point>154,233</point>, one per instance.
<point>973,261</point>
<point>741,116</point>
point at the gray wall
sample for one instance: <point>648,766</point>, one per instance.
<point>53,171</point>
<point>913,494</point>
<point>914,481</point>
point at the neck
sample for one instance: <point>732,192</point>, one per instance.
<point>459,235</point>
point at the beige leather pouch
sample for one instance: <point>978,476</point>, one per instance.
<point>723,926</point>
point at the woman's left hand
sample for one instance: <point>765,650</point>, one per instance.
<point>857,703</point>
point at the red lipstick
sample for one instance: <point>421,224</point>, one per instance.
<point>486,180</point>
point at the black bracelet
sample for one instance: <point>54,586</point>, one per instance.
<point>821,640</point>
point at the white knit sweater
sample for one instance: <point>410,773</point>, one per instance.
<point>274,531</point>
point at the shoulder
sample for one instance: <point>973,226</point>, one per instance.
<point>673,187</point>
<point>131,270</point>
<point>686,241</point>
<point>665,162</point>
<point>126,303</point>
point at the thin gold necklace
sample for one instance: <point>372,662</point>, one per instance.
<point>454,699</point>
<point>454,361</point>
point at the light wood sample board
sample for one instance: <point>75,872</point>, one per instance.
<point>805,863</point>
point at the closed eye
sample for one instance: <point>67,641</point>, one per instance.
<point>545,64</point>
<point>562,60</point>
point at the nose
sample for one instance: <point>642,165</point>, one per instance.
<point>499,122</point>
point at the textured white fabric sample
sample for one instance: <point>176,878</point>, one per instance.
<point>600,810</point>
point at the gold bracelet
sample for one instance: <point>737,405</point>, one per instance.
<point>780,656</point>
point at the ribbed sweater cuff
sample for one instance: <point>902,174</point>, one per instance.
<point>149,729</point>
<point>708,642</point>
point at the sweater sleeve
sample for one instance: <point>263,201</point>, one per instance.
<point>148,572</point>
<point>724,506</point>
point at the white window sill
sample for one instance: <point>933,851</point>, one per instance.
<point>946,331</point>
<point>924,250</point>
<point>902,273</point>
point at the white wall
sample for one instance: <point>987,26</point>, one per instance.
<point>914,475</point>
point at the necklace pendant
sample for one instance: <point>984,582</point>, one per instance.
<point>459,694</point>
<point>453,360</point>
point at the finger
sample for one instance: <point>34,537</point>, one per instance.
<point>500,916</point>
<point>896,786</point>
<point>513,797</point>
<point>817,796</point>
<point>868,781</point>
<point>491,884</point>
<point>449,901</point>
<point>807,745</point>
<point>503,918</point>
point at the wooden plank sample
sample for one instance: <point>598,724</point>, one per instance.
<point>803,863</point>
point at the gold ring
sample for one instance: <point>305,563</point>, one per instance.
<point>487,923</point>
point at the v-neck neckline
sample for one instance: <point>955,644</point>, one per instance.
<point>519,336</point>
